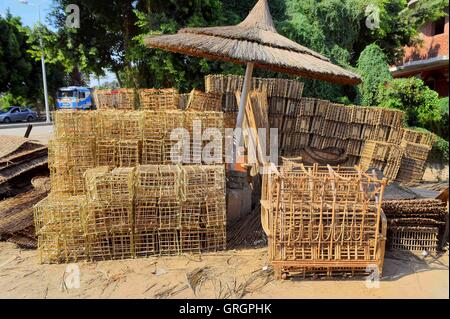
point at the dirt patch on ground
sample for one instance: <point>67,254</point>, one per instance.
<point>231,274</point>
<point>436,173</point>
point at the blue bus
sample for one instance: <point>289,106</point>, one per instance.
<point>75,97</point>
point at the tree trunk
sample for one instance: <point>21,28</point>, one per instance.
<point>128,33</point>
<point>116,72</point>
<point>76,77</point>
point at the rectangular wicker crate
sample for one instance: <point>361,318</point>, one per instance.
<point>376,150</point>
<point>191,240</point>
<point>104,99</point>
<point>288,125</point>
<point>339,113</point>
<point>354,147</point>
<point>321,108</point>
<point>74,124</point>
<point>302,124</point>
<point>109,124</point>
<point>317,124</point>
<point>277,105</point>
<point>300,140</point>
<point>305,212</point>
<point>129,153</point>
<point>70,152</point>
<point>354,131</point>
<point>411,170</point>
<point>121,244</point>
<point>193,182</point>
<point>59,228</point>
<point>372,116</point>
<point>276,121</point>
<point>169,210</point>
<point>200,101</point>
<point>154,125</point>
<point>366,132</point>
<point>358,114</point>
<point>306,107</point>
<point>168,242</point>
<point>159,99</point>
<point>215,239</point>
<point>115,217</point>
<point>148,182</point>
<point>152,152</point>
<point>191,212</point>
<point>415,150</point>
<point>413,238</point>
<point>106,187</point>
<point>146,215</point>
<point>67,180</point>
<point>145,243</point>
<point>380,133</point>
<point>389,117</point>
<point>122,99</point>
<point>413,136</point>
<point>292,107</point>
<point>229,103</point>
<point>131,125</point>
<point>395,135</point>
<point>106,153</point>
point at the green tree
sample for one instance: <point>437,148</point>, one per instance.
<point>441,126</point>
<point>156,68</point>
<point>411,95</point>
<point>103,41</point>
<point>374,72</point>
<point>20,66</point>
<point>110,37</point>
<point>337,29</point>
<point>15,64</point>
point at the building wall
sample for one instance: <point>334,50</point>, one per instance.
<point>433,45</point>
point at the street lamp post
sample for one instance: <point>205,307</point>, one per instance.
<point>44,75</point>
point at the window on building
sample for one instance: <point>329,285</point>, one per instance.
<point>438,26</point>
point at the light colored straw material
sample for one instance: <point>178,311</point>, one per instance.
<point>254,40</point>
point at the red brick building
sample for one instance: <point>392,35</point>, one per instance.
<point>430,60</point>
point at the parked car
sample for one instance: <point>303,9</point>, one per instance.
<point>16,114</point>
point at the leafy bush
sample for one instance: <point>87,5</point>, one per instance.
<point>411,95</point>
<point>374,70</point>
<point>439,152</point>
<point>441,127</point>
<point>8,99</point>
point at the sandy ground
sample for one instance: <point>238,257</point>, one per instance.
<point>435,173</point>
<point>231,274</point>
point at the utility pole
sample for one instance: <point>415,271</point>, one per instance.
<point>44,75</point>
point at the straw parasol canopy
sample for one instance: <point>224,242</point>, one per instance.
<point>254,40</point>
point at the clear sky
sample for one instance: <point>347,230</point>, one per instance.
<point>30,16</point>
<point>28,13</point>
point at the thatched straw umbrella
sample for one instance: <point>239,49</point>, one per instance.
<point>256,42</point>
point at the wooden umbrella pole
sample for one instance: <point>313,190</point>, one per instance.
<point>242,102</point>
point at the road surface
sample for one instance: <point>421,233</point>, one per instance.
<point>41,133</point>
